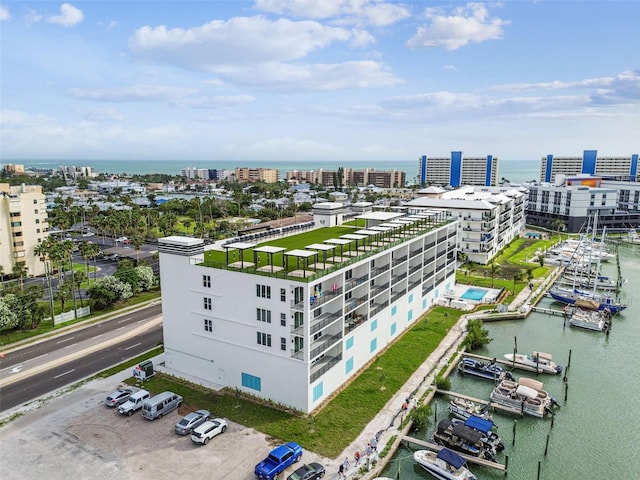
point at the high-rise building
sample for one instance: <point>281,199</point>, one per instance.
<point>293,325</point>
<point>458,170</point>
<point>614,168</point>
<point>350,176</point>
<point>246,174</point>
<point>23,225</point>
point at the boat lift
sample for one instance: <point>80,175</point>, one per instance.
<point>468,458</point>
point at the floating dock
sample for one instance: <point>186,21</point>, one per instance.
<point>468,458</point>
<point>493,405</point>
<point>518,365</point>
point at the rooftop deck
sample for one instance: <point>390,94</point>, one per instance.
<point>309,255</point>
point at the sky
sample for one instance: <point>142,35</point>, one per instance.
<point>332,80</point>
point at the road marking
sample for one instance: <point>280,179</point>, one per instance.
<point>65,373</point>
<point>125,320</point>
<point>65,340</point>
<point>70,345</point>
<point>120,328</point>
<point>16,369</point>
<point>133,346</point>
<point>35,358</point>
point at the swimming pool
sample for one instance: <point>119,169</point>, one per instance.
<point>475,294</point>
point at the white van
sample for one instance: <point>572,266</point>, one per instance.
<point>134,403</point>
<point>160,405</point>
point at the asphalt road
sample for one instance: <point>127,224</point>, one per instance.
<point>46,366</point>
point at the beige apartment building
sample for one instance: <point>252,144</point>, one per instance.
<point>23,225</point>
<point>246,174</point>
<point>350,176</point>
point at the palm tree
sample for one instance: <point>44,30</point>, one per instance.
<point>493,268</point>
<point>20,270</point>
<point>517,276</point>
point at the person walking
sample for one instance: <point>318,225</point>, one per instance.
<point>341,471</point>
<point>374,444</point>
<point>357,457</point>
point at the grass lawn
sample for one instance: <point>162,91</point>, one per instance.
<point>334,427</point>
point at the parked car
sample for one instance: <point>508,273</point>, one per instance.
<point>191,420</point>
<point>134,403</point>
<point>118,397</point>
<point>160,405</point>
<point>208,430</point>
<point>278,460</point>
<point>121,239</point>
<point>311,471</point>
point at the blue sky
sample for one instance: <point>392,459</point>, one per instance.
<point>319,80</point>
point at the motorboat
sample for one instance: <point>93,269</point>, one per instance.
<point>445,464</point>
<point>489,370</point>
<point>463,409</point>
<point>580,298</point>
<point>525,396</point>
<point>597,320</point>
<point>632,236</point>
<point>490,438</point>
<point>539,362</point>
<point>597,283</point>
<point>457,436</point>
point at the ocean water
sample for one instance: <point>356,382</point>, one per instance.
<point>516,171</point>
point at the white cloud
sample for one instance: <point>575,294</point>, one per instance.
<point>69,16</point>
<point>216,101</point>
<point>240,40</point>
<point>376,13</point>
<point>101,114</point>
<point>314,77</point>
<point>4,13</point>
<point>467,24</point>
<point>135,93</point>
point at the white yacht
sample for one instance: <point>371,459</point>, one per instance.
<point>445,464</point>
<point>524,396</point>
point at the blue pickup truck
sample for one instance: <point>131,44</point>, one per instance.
<point>279,459</point>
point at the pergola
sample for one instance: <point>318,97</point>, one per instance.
<point>304,254</point>
<point>241,246</point>
<point>324,248</point>
<point>269,250</point>
<point>353,236</point>
<point>339,241</point>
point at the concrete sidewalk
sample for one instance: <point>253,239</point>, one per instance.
<point>388,421</point>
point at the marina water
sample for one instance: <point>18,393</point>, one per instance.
<point>596,431</point>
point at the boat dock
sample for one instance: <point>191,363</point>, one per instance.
<point>550,311</point>
<point>518,365</point>
<point>468,458</point>
<point>493,405</point>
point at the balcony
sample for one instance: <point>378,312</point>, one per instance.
<point>396,295</point>
<point>375,308</point>
<point>399,260</point>
<point>414,269</point>
<point>354,303</point>
<point>351,284</point>
<point>414,284</point>
<point>322,321</point>
<point>376,289</point>
<point>317,301</point>
<point>415,252</point>
<point>354,322</point>
<point>377,271</point>
<point>323,365</point>
<point>325,343</point>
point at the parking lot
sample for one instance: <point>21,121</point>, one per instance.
<point>77,436</point>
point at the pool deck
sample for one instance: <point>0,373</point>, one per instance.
<point>460,289</point>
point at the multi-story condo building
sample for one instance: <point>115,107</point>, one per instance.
<point>615,168</point>
<point>569,203</point>
<point>293,320</point>
<point>73,173</point>
<point>14,168</point>
<point>23,225</point>
<point>458,170</point>
<point>246,174</point>
<point>350,176</point>
<point>488,217</point>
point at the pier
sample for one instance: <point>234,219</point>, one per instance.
<point>493,405</point>
<point>550,311</point>
<point>468,458</point>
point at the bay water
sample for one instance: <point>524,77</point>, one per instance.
<point>595,434</point>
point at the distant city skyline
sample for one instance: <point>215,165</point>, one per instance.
<point>311,81</point>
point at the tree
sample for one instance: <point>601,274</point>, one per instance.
<point>518,275</point>
<point>477,335</point>
<point>419,417</point>
<point>20,271</point>
<point>493,268</point>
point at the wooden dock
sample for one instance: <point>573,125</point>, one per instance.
<point>550,311</point>
<point>493,405</point>
<point>468,458</point>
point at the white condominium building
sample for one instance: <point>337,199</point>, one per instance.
<point>615,168</point>
<point>23,225</point>
<point>294,318</point>
<point>458,170</point>
<point>488,217</point>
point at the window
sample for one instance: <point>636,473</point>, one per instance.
<point>348,274</point>
<point>298,344</point>
<point>374,325</point>
<point>263,315</point>
<point>348,365</point>
<point>411,298</point>
<point>208,325</point>
<point>283,294</point>
<point>207,303</point>
<point>317,391</point>
<point>263,291</point>
<point>393,328</point>
<point>394,310</point>
<point>252,382</point>
<point>283,343</point>
<point>373,345</point>
<point>264,339</point>
<point>349,343</point>
<point>35,201</point>
<point>409,315</point>
<point>283,319</point>
<point>206,281</point>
